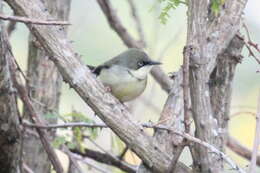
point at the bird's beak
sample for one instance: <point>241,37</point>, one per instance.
<point>153,63</point>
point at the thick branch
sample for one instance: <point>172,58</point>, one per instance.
<point>10,133</point>
<point>44,87</point>
<point>74,72</point>
<point>209,36</point>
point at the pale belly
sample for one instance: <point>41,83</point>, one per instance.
<point>129,90</point>
<point>123,86</point>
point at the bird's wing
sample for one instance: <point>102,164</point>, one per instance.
<point>106,65</point>
<point>97,70</point>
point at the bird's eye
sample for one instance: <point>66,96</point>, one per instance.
<point>140,63</point>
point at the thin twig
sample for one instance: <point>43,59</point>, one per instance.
<point>137,21</point>
<point>161,127</point>
<point>66,125</point>
<point>121,156</point>
<point>32,21</point>
<point>252,167</point>
<point>248,45</point>
<point>27,168</point>
<point>213,149</point>
<point>116,24</point>
<point>11,27</point>
<point>102,149</point>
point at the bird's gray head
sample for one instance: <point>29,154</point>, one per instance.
<point>135,59</point>
<point>136,62</point>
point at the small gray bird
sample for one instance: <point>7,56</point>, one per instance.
<point>126,74</point>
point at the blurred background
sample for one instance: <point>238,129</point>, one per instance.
<point>96,42</point>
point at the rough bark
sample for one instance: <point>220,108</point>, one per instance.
<point>221,80</point>
<point>208,35</point>
<point>10,141</point>
<point>44,86</point>
<point>74,72</point>
<point>172,116</point>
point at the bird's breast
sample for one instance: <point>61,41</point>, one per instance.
<point>123,85</point>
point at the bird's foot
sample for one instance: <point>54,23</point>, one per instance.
<point>107,88</point>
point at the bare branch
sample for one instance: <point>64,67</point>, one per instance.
<point>90,153</point>
<point>11,27</point>
<point>106,159</point>
<point>213,149</point>
<point>87,162</point>
<point>137,21</point>
<point>250,44</point>
<point>240,149</point>
<point>74,124</point>
<point>116,24</point>
<point>33,114</point>
<point>27,169</point>
<point>33,21</point>
<point>252,167</point>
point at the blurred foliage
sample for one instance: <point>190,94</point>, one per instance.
<point>74,138</point>
<point>168,5</point>
<point>216,5</point>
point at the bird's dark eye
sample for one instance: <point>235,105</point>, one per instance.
<point>140,63</point>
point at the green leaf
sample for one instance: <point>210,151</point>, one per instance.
<point>58,141</point>
<point>168,5</point>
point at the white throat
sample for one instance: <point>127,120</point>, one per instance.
<point>141,73</point>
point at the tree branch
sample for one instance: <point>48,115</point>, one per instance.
<point>106,159</point>
<point>10,131</point>
<point>75,72</point>
<point>209,36</point>
<point>137,21</point>
<point>240,149</point>
<point>32,20</point>
<point>33,114</point>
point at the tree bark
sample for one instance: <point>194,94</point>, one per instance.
<point>10,141</point>
<point>75,72</point>
<point>44,86</point>
<point>208,35</point>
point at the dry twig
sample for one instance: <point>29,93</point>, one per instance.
<point>32,21</point>
<point>137,21</point>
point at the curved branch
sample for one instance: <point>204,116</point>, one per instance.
<point>106,159</point>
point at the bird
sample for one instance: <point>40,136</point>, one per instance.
<point>126,74</point>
